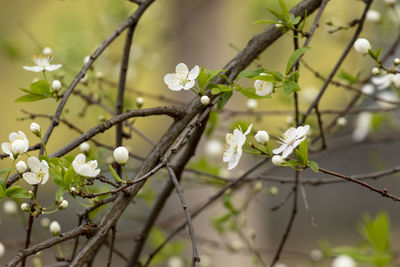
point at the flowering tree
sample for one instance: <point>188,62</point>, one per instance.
<point>106,188</point>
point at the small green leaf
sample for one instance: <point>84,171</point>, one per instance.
<point>284,8</point>
<point>278,15</point>
<point>224,99</point>
<point>267,78</point>
<point>295,55</point>
<point>41,87</point>
<point>303,149</point>
<point>250,93</point>
<point>313,165</point>
<point>29,98</point>
<point>290,87</point>
<point>115,175</point>
<point>6,170</point>
<point>60,192</point>
<point>261,21</point>
<point>17,192</point>
<point>250,73</point>
<point>56,175</point>
<point>69,177</point>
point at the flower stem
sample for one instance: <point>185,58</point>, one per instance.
<point>60,251</point>
<point>125,172</point>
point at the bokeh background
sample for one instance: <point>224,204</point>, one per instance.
<point>205,33</point>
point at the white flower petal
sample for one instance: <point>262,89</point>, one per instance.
<point>7,149</point>
<point>31,178</point>
<point>287,151</point>
<point>34,164</point>
<point>182,70</point>
<point>53,67</point>
<point>171,79</point>
<point>45,178</point>
<point>248,129</point>
<point>194,73</point>
<point>279,149</point>
<point>189,85</point>
<point>78,162</point>
<point>13,136</point>
<point>34,68</point>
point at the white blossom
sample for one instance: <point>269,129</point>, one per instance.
<point>86,59</point>
<point>42,64</point>
<point>84,147</point>
<point>277,160</point>
<point>375,71</point>
<point>25,207</point>
<point>55,228</point>
<point>18,144</point>
<point>233,146</point>
<point>56,86</point>
<point>362,126</point>
<point>316,255</point>
<point>291,139</point>
<point>35,128</point>
<point>10,207</point>
<point>87,169</point>
<point>21,166</point>
<point>63,204</point>
<point>39,171</point>
<point>45,222</point>
<point>341,121</point>
<point>389,2</point>
<point>139,102</point>
<point>262,137</point>
<point>389,99</point>
<point>182,78</point>
<point>373,16</point>
<point>2,250</point>
<point>273,190</point>
<point>175,262</point>
<point>368,89</point>
<point>387,80</point>
<point>213,148</point>
<point>308,94</point>
<point>47,51</point>
<point>236,244</point>
<point>251,104</point>
<point>362,46</point>
<point>263,88</point>
<point>396,61</point>
<point>204,100</point>
<point>289,119</point>
<point>121,155</point>
<point>343,261</point>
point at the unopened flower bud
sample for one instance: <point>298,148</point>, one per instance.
<point>73,190</point>
<point>99,75</point>
<point>389,2</point>
<point>84,147</point>
<point>21,166</point>
<point>375,71</point>
<point>205,100</point>
<point>262,137</point>
<point>121,155</point>
<point>25,207</point>
<point>273,190</point>
<point>10,207</point>
<point>368,89</point>
<point>396,61</point>
<point>362,46</point>
<point>47,51</point>
<point>2,250</point>
<point>86,59</point>
<point>258,186</point>
<point>341,121</point>
<point>316,255</point>
<point>373,16</point>
<point>55,228</point>
<point>63,205</point>
<point>35,128</point>
<point>45,222</point>
<point>56,86</point>
<point>139,102</point>
<point>251,104</point>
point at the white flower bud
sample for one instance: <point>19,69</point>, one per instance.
<point>279,24</point>
<point>375,71</point>
<point>139,102</point>
<point>316,255</point>
<point>236,244</point>
<point>99,75</point>
<point>63,205</point>
<point>368,89</point>
<point>84,147</point>
<point>251,104</point>
<point>213,148</point>
<point>258,186</point>
<point>56,86</point>
<point>289,119</point>
<point>362,46</point>
<point>21,166</point>
<point>86,59</point>
<point>35,128</point>
<point>84,79</point>
<point>73,190</point>
<point>10,207</point>
<point>373,16</point>
<point>396,61</point>
<point>121,155</point>
<point>61,199</point>
<point>175,262</point>
<point>25,207</point>
<point>18,147</point>
<point>341,121</point>
<point>47,51</point>
<point>277,160</point>
<point>262,137</point>
<point>55,228</point>
<point>273,190</point>
<point>389,2</point>
<point>205,100</point>
<point>343,261</point>
<point>2,250</point>
<point>45,222</point>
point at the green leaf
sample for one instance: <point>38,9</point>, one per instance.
<point>115,175</point>
<point>267,78</point>
<point>6,170</point>
<point>284,8</point>
<point>17,192</point>
<point>347,77</point>
<point>212,123</point>
<point>295,55</point>
<point>224,88</point>
<point>250,93</point>
<point>219,221</point>
<point>69,177</point>
<point>377,231</point>
<point>60,192</point>
<point>202,78</point>
<point>224,99</point>
<point>29,98</point>
<point>313,166</point>
<point>2,188</point>
<point>261,21</point>
<point>250,73</point>
<point>290,87</point>
<point>303,150</point>
<point>57,177</point>
<point>278,15</point>
<point>41,87</point>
